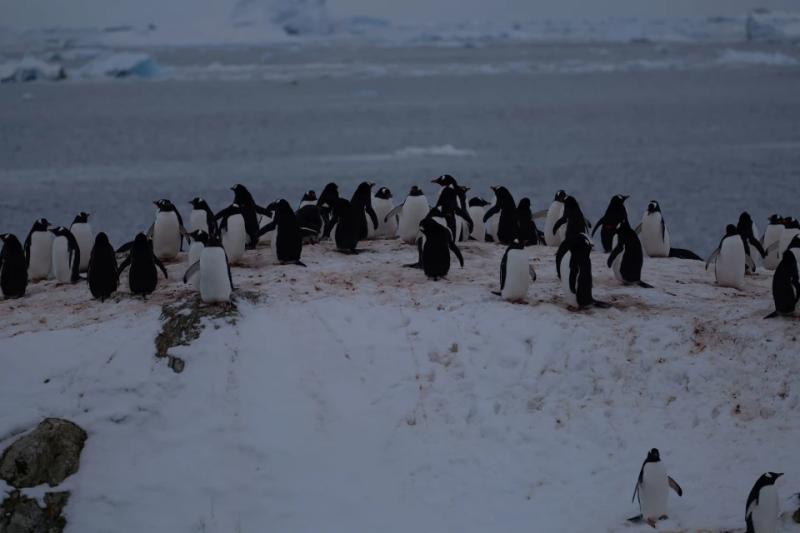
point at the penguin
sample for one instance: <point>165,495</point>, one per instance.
<point>82,231</point>
<point>450,212</point>
<point>382,203</point>
<point>529,234</point>
<point>201,217</point>
<point>573,219</point>
<point>615,213</point>
<point>626,258</point>
<point>287,243</point>
<point>434,247</point>
<point>761,510</point>
<point>39,250</point>
<point>729,259</point>
<point>199,239</point>
<point>554,214</point>
<point>13,267</point>
<point>249,210</point>
<point>327,199</point>
<point>655,236</point>
<point>263,220</point>
<point>233,232</point>
<point>476,209</point>
<point>791,229</point>
<point>309,216</point>
<point>102,270</point>
<point>345,225</point>
<point>66,256</point>
<point>143,277</point>
<point>167,231</point>
<point>574,269</point>
<point>770,242</point>
<point>362,202</point>
<point>213,272</point>
<point>515,273</point>
<point>507,224</point>
<point>309,198</point>
<point>410,213</point>
<point>652,489</point>
<point>786,282</point>
<point>745,229</point>
<point>464,228</point>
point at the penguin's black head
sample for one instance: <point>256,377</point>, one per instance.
<point>445,180</point>
<point>744,218</point>
<point>383,193</point>
<point>415,191</point>
<point>283,210</point>
<point>571,203</point>
<point>140,239</point>
<point>11,242</point>
<point>198,203</point>
<point>81,218</point>
<point>309,196</point>
<point>525,203</point>
<point>791,223</point>
<point>41,225</point>
<point>560,196</point>
<point>477,201</point>
<point>199,236</point>
<point>340,206</point>
<point>619,199</point>
<point>164,205</point>
<point>101,239</point>
<point>241,195</point>
<point>771,477</point>
<point>653,207</point>
<point>794,243</point>
<point>653,456</point>
<point>730,230</point>
<point>774,219</point>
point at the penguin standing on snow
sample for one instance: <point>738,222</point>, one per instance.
<point>410,213</point>
<point>770,242</point>
<point>309,216</point>
<point>345,225</point>
<point>362,202</point>
<point>529,234</point>
<point>328,198</point>
<point>655,236</point>
<point>199,240</point>
<point>263,220</point>
<point>382,203</point>
<point>507,224</point>
<point>786,282</point>
<point>143,277</point>
<point>515,273</point>
<point>287,243</point>
<point>465,223</point>
<point>652,489</point>
<point>39,250</point>
<point>554,214</point>
<point>626,259</point>
<point>791,229</point>
<point>213,272</point>
<point>574,269</point>
<point>82,231</point>
<point>450,210</point>
<point>201,217</point>
<point>762,511</point>
<point>102,272</point>
<point>250,211</point>
<point>745,229</point>
<point>13,267</point>
<point>615,213</point>
<point>573,218</point>
<point>167,231</point>
<point>476,209</point>
<point>232,229</point>
<point>434,247</point>
<point>66,256</point>
<point>729,259</point>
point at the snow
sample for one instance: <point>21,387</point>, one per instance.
<point>355,395</point>
<point>121,65</point>
<point>743,57</point>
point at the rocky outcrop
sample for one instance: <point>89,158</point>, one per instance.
<point>21,514</point>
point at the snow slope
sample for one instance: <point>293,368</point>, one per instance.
<point>355,395</point>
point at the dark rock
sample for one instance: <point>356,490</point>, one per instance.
<point>21,514</point>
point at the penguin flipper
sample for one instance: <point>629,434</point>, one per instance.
<point>771,248</point>
<point>503,264</point>
<point>497,293</point>
<point>300,263</point>
<point>494,209</point>
<point>266,229</point>
<point>539,214</point>
<point>614,253</point>
<point>681,253</point>
<point>751,264</point>
<point>638,228</point>
<point>599,223</point>
<point>150,230</point>
<point>456,251</point>
<point>644,285</point>
<point>191,271</point>
<point>674,486</point>
<point>374,217</point>
<point>413,265</point>
<point>395,211</point>
<point>711,257</point>
<point>636,519</point>
<point>124,265</point>
<point>160,265</point>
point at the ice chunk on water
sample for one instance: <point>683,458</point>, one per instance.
<point>121,65</point>
<point>30,68</point>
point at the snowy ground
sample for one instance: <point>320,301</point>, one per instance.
<point>355,395</point>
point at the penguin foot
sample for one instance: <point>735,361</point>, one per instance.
<point>644,285</point>
<point>601,305</point>
<point>771,315</point>
<point>413,265</point>
<point>636,519</point>
<point>496,293</point>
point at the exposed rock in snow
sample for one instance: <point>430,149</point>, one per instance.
<point>30,68</point>
<point>764,25</point>
<point>120,65</point>
<point>21,514</point>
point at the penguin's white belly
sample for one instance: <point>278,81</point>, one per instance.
<point>786,238</point>
<point>569,296</point>
<point>215,287</point>
<point>517,276</point>
<point>461,229</point>
<point>85,237</point>
<point>263,220</point>
<point>166,236</point>
<point>307,202</point>
<point>730,263</point>
<point>273,245</point>
<point>198,221</point>
<point>234,238</point>
<point>772,237</point>
<point>654,491</point>
<point>476,213</point>
<point>41,254</point>
<point>195,252</point>
<point>61,267</point>
<point>491,225</point>
<point>388,229</point>
<point>616,266</point>
<point>765,513</point>
<point>414,210</point>
<point>655,241</point>
<point>554,213</point>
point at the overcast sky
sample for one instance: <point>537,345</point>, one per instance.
<point>34,13</point>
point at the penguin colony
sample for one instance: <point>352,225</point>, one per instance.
<point>217,240</point>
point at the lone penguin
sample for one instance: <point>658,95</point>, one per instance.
<point>652,489</point>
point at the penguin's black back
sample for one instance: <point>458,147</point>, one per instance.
<point>288,239</point>
<point>632,255</point>
<point>143,277</point>
<point>785,284</point>
<point>13,268</point>
<point>102,274</point>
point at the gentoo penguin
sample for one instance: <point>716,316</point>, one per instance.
<point>770,242</point>
<point>143,277</point>
<point>345,225</point>
<point>626,258</point>
<point>450,211</point>
<point>574,269</point>
<point>82,231</point>
<point>327,200</point>
<point>102,272</point>
<point>362,202</point>
<point>250,211</point>
<point>573,219</point>
<point>745,229</point>
<point>729,259</point>
<point>554,214</point>
<point>652,489</point>
<point>529,234</point>
<point>655,236</point>
<point>199,239</point>
<point>786,282</point>
<point>167,231</point>
<point>309,216</point>
<point>791,229</point>
<point>410,212</point>
<point>39,250</point>
<point>615,213</point>
<point>13,267</point>
<point>476,209</point>
<point>287,243</point>
<point>761,511</point>
<point>507,224</point>
<point>382,203</point>
<point>434,247</point>
<point>201,217</point>
<point>66,256</point>
<point>446,181</point>
<point>309,198</point>
<point>213,272</point>
<point>516,273</point>
<point>233,232</point>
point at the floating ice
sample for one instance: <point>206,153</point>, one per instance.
<point>30,68</point>
<point>121,65</point>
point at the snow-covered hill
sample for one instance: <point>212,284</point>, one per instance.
<point>355,395</point>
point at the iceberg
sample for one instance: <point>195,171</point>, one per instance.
<point>30,68</point>
<point>121,65</point>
